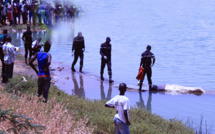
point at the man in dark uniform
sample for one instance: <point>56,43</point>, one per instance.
<point>105,51</point>
<point>79,47</point>
<point>146,63</point>
<point>27,38</point>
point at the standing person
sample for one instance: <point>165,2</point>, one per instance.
<point>19,11</point>
<point>1,8</point>
<point>9,58</point>
<point>105,51</point>
<point>10,13</point>
<point>32,13</point>
<point>4,14</point>
<point>122,105</point>
<point>3,39</point>
<point>24,10</point>
<point>39,9</point>
<point>79,48</point>
<point>48,14</point>
<point>146,63</point>
<point>27,38</point>
<point>15,12</point>
<point>57,12</point>
<point>44,79</point>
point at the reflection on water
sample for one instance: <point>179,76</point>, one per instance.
<point>103,92</point>
<point>78,91</point>
<point>17,37</point>
<point>181,37</point>
<point>141,104</point>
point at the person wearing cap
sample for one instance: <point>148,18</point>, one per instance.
<point>122,105</point>
<point>105,52</point>
<point>146,62</point>
<point>79,47</point>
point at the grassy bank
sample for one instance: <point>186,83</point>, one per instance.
<point>96,114</point>
<point>25,114</point>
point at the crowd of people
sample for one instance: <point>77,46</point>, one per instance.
<point>120,102</point>
<point>7,54</point>
<point>34,12</point>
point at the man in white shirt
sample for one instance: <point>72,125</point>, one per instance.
<point>9,58</point>
<point>122,105</point>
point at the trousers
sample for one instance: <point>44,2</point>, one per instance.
<point>121,127</point>
<point>81,55</point>
<point>28,48</point>
<point>43,87</point>
<point>103,63</point>
<point>148,72</point>
<point>8,72</point>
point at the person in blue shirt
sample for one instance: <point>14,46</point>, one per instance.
<point>44,79</point>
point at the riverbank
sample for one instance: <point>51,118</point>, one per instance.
<point>22,28</point>
<point>94,110</point>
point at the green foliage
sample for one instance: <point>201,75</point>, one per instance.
<point>17,86</point>
<point>20,123</point>
<point>141,120</point>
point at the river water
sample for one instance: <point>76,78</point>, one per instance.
<point>182,37</point>
<point>181,34</point>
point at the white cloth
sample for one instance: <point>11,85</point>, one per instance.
<point>35,43</point>
<point>121,103</point>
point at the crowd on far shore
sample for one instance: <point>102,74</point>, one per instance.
<point>35,12</point>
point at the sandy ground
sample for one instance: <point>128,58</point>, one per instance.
<point>20,68</point>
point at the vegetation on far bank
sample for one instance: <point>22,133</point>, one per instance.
<point>89,112</point>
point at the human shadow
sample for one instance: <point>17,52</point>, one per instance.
<point>78,91</point>
<point>103,92</point>
<point>141,104</point>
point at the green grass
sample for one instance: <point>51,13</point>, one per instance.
<point>142,121</point>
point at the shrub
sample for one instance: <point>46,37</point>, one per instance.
<point>53,117</point>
